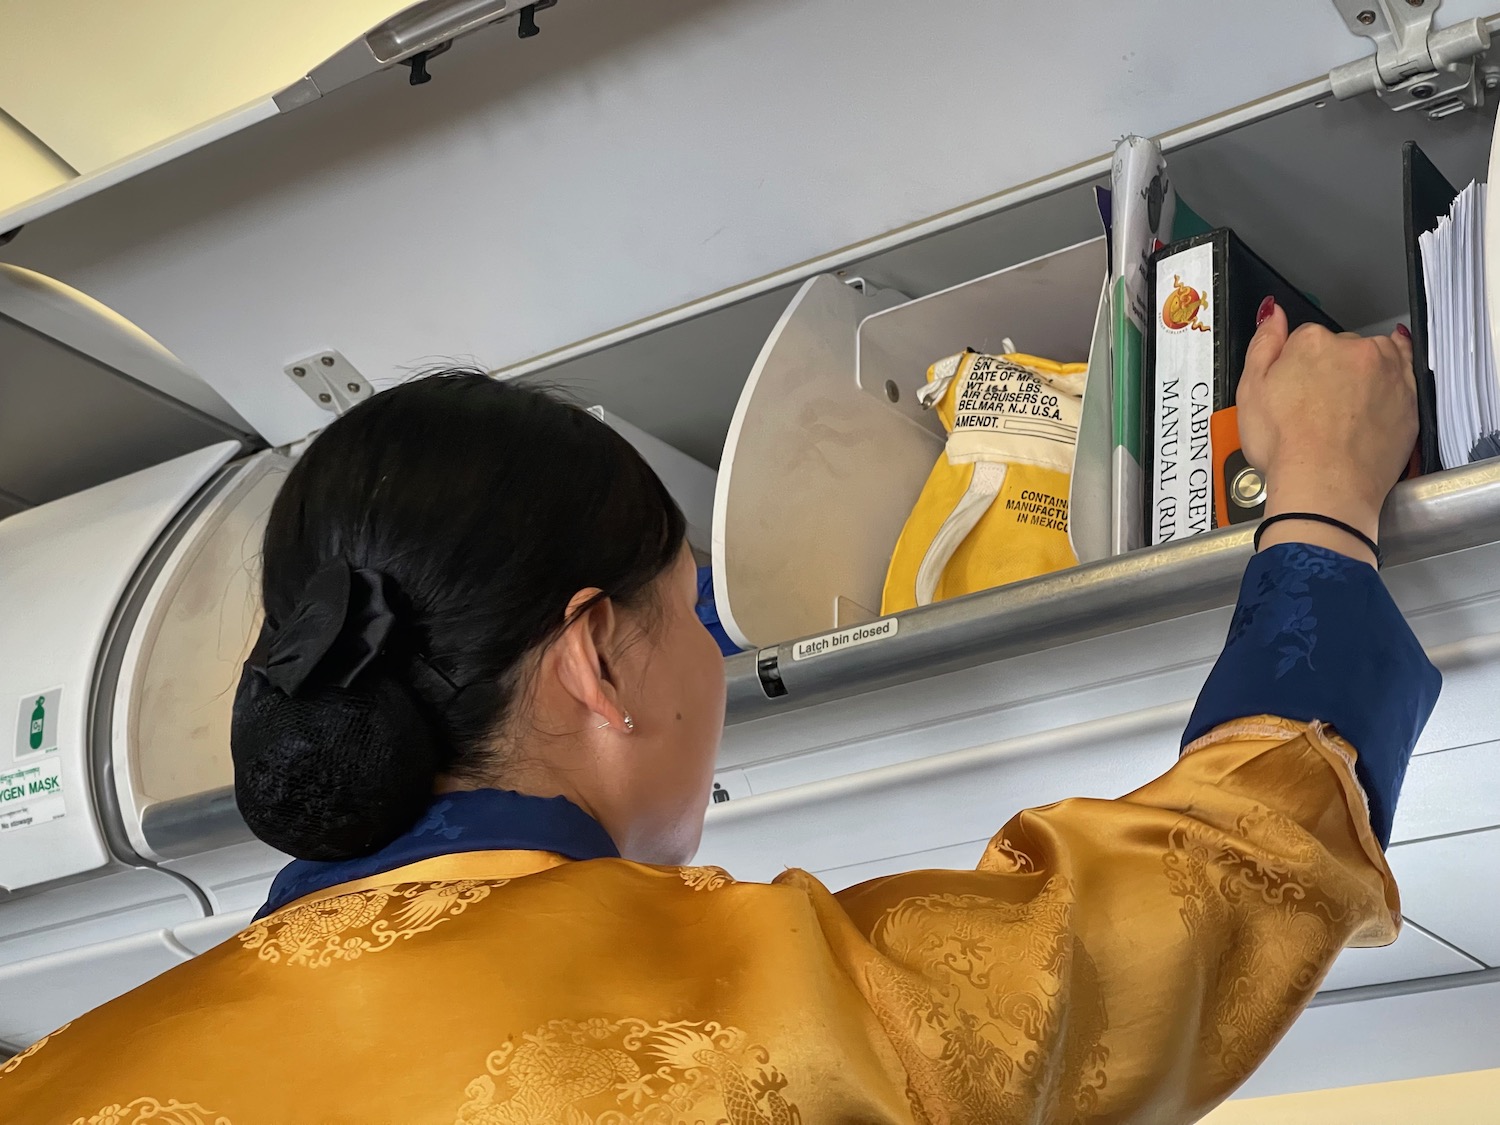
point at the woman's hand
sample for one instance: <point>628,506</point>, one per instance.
<point>1331,421</point>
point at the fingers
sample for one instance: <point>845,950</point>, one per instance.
<point>1265,345</point>
<point>1402,339</point>
<point>1396,348</point>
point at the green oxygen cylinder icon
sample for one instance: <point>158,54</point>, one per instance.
<point>38,722</point>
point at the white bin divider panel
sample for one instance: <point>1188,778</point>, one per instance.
<point>63,569</point>
<point>817,477</point>
<point>1046,307</point>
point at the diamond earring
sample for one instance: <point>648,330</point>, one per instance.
<point>629,723</point>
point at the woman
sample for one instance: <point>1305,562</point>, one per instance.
<point>483,715</point>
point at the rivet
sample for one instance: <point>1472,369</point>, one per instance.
<point>325,398</point>
<point>299,371</point>
<point>1366,17</point>
<point>326,361</point>
<point>892,391</point>
<point>353,388</point>
<point>1423,92</point>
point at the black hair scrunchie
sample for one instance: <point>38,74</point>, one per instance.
<point>339,627</point>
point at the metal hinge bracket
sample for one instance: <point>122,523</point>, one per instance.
<point>1414,67</point>
<point>329,380</point>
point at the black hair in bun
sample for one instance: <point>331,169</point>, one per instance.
<point>425,544</point>
<point>335,773</point>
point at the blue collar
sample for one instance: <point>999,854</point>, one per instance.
<point>476,820</point>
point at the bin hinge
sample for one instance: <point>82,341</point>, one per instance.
<point>329,380</point>
<point>1415,67</point>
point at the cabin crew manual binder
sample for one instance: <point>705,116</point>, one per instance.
<point>1427,197</point>
<point>1205,292</point>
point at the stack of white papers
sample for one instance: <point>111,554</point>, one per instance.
<point>1459,349</point>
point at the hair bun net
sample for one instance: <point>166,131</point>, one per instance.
<point>333,773</point>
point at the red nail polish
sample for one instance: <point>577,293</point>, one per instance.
<point>1404,331</point>
<point>1262,314</point>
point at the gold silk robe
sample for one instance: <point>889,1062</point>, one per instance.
<point>1109,961</point>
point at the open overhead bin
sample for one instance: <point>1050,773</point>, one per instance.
<point>88,397</point>
<point>637,165</point>
<point>92,94</point>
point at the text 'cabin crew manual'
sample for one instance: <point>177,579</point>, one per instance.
<point>1205,292</point>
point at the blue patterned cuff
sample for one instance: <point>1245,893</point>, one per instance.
<point>1316,636</point>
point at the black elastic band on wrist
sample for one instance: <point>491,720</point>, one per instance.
<point>1317,517</point>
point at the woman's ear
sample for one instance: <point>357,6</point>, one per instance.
<point>579,661</point>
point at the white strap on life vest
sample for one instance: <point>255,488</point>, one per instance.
<point>984,486</point>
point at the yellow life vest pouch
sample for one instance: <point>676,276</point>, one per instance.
<point>995,506</point>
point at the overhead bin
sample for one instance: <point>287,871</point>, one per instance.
<point>88,397</point>
<point>91,96</point>
<point>680,380</point>
<point>381,194</point>
<point>1346,193</point>
<point>67,566</point>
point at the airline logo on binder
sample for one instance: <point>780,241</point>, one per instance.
<point>1182,308</point>
<point>1182,474</point>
